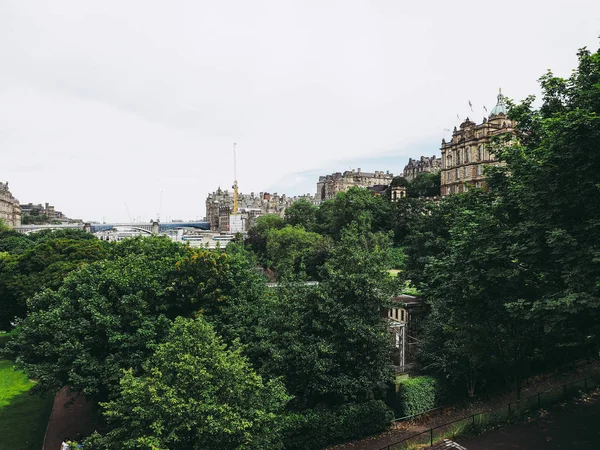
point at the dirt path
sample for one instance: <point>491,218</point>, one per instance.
<point>67,421</point>
<point>403,430</point>
<point>572,425</point>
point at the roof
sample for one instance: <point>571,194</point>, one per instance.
<point>500,107</point>
<point>407,299</point>
<point>446,443</point>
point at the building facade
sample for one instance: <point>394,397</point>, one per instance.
<point>469,150</point>
<point>10,211</point>
<point>42,210</point>
<point>329,186</point>
<point>425,164</point>
<point>219,207</point>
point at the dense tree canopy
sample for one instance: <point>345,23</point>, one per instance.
<point>294,252</point>
<point>301,213</point>
<point>195,393</point>
<point>521,260</point>
<point>42,264</point>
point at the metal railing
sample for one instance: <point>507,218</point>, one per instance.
<point>513,409</point>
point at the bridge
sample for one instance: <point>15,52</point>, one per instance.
<point>151,227</point>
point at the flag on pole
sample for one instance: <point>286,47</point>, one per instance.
<point>471,105</point>
<point>457,117</point>
<point>485,108</point>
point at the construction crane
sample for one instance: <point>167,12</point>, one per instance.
<point>235,184</point>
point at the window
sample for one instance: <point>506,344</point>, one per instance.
<point>480,153</point>
<point>479,170</point>
<point>457,174</point>
<point>467,156</point>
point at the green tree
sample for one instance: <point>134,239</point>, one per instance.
<point>424,185</point>
<point>301,213</point>
<point>195,393</point>
<point>257,235</point>
<point>294,252</point>
<point>43,266</point>
<point>103,319</point>
<point>13,242</point>
<point>329,342</point>
<point>354,206</point>
<point>551,191</point>
<point>470,334</point>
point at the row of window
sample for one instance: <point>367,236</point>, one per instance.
<point>461,173</point>
<point>458,188</point>
<point>465,156</point>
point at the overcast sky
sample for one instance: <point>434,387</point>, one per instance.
<point>106,104</point>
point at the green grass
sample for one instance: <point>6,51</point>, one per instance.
<point>23,417</point>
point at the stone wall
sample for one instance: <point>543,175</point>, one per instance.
<point>10,211</point>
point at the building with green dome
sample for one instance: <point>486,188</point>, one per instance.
<point>470,149</point>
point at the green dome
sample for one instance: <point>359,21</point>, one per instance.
<point>500,107</point>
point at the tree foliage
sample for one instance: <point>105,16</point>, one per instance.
<point>195,393</point>
<point>301,213</point>
<point>257,235</point>
<point>328,342</point>
<point>293,252</point>
<point>41,265</point>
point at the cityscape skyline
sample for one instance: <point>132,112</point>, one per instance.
<point>112,106</point>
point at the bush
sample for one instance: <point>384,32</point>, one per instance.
<point>416,395</point>
<point>317,429</point>
<point>4,337</point>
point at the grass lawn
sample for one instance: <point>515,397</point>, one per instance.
<point>23,417</point>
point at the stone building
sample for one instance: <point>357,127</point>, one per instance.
<point>426,164</point>
<point>329,186</point>
<point>219,206</point>
<point>42,210</point>
<point>10,211</point>
<point>464,157</point>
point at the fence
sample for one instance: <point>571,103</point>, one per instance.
<point>514,409</point>
<point>573,363</point>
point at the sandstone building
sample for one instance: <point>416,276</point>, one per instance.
<point>219,207</point>
<point>10,211</point>
<point>464,157</point>
<point>42,210</point>
<point>329,186</point>
<point>425,164</point>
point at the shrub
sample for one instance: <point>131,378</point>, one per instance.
<point>416,395</point>
<point>318,428</point>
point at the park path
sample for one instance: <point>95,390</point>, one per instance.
<point>403,430</point>
<point>68,419</point>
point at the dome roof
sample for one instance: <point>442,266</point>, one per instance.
<point>500,107</point>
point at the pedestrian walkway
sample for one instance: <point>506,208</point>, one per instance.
<point>571,425</point>
<point>70,415</point>
<point>403,430</point>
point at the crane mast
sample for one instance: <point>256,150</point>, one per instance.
<point>235,183</point>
